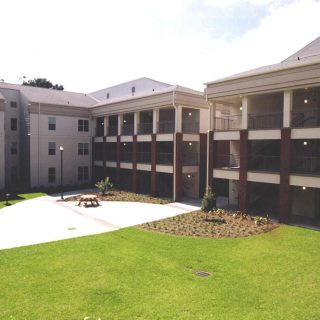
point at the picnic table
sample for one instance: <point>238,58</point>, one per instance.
<point>88,198</point>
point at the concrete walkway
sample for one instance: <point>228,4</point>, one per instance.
<point>45,219</point>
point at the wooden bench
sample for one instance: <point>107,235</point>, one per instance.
<point>93,199</point>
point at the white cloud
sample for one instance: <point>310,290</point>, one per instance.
<point>87,45</point>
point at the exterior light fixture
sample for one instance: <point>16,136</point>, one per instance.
<point>124,144</point>
<point>124,121</point>
<point>304,188</point>
<point>190,143</point>
<point>189,176</point>
<point>305,101</point>
<point>305,143</point>
<point>190,114</point>
<point>240,108</point>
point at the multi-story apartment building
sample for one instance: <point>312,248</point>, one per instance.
<point>153,140</point>
<point>37,122</point>
<point>264,139</point>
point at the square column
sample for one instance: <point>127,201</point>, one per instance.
<point>118,161</point>
<point>212,115</point>
<point>136,121</point>
<point>203,164</point>
<point>120,122</point>
<point>287,108</point>
<point>245,113</point>
<point>178,119</point>
<point>155,120</point>
<point>105,125</point>
<point>210,145</point>
<point>285,167</point>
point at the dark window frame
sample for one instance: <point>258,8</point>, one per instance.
<point>14,124</point>
<point>14,150</point>
<point>13,104</point>
<point>52,151</point>
<point>51,175</point>
<point>83,173</point>
<point>52,126</point>
<point>83,148</point>
<point>83,125</point>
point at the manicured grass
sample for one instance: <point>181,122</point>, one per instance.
<point>135,274</point>
<point>21,197</point>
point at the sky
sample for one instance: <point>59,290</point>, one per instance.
<point>87,45</point>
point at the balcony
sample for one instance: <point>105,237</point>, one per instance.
<point>111,156</point>
<point>166,127</point>
<point>112,130</point>
<point>306,118</point>
<point>190,159</point>
<point>127,129</point>
<point>227,161</point>
<point>126,157</point>
<point>144,157</point>
<point>165,158</point>
<point>265,121</point>
<point>190,127</point>
<point>260,162</point>
<point>306,165</point>
<point>145,128</point>
<point>227,123</point>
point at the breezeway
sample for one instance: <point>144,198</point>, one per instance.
<point>46,219</point>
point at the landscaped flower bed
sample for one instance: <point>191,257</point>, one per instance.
<point>215,224</point>
<point>125,196</point>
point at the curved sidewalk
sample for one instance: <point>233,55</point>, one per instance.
<point>45,219</point>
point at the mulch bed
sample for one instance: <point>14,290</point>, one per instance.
<point>215,224</point>
<point>125,196</point>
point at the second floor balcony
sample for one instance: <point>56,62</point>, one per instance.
<point>190,159</point>
<point>306,118</point>
<point>227,123</point>
<point>265,121</point>
<point>190,127</point>
<point>127,129</point>
<point>144,157</point>
<point>227,161</point>
<point>145,127</point>
<point>166,127</point>
<point>112,131</point>
<point>306,165</point>
<point>126,157</point>
<point>165,158</point>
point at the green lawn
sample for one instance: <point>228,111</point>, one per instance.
<point>136,274</point>
<point>22,197</point>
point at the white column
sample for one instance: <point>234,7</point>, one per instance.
<point>105,127</point>
<point>155,120</point>
<point>178,119</point>
<point>120,122</point>
<point>136,121</point>
<point>287,108</point>
<point>245,112</point>
<point>212,115</point>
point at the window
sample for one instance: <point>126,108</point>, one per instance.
<point>133,90</point>
<point>83,173</point>
<point>14,148</point>
<point>83,125</point>
<point>51,148</point>
<point>13,104</point>
<point>51,175</point>
<point>52,123</point>
<point>83,148</point>
<point>108,95</point>
<point>14,124</point>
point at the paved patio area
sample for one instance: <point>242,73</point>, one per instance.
<point>45,219</point>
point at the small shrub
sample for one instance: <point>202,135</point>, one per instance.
<point>105,186</point>
<point>209,200</point>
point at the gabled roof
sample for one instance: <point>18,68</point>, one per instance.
<point>52,97</point>
<point>310,50</point>
<point>175,88</point>
<point>308,55</point>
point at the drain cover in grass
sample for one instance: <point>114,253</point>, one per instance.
<point>72,228</point>
<point>202,274</point>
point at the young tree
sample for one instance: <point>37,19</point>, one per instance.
<point>208,200</point>
<point>42,83</point>
<point>105,186</point>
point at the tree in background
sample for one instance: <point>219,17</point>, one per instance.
<point>42,83</point>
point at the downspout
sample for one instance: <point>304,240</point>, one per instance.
<point>174,144</point>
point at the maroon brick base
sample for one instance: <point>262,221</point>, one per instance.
<point>134,164</point>
<point>243,183</point>
<point>285,156</point>
<point>153,190</point>
<point>178,166</point>
<point>203,164</point>
<point>210,158</point>
<point>118,162</point>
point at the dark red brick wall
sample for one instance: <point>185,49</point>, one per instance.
<point>153,165</point>
<point>203,163</point>
<point>285,157</point>
<point>134,163</point>
<point>118,161</point>
<point>178,166</point>
<point>243,184</point>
